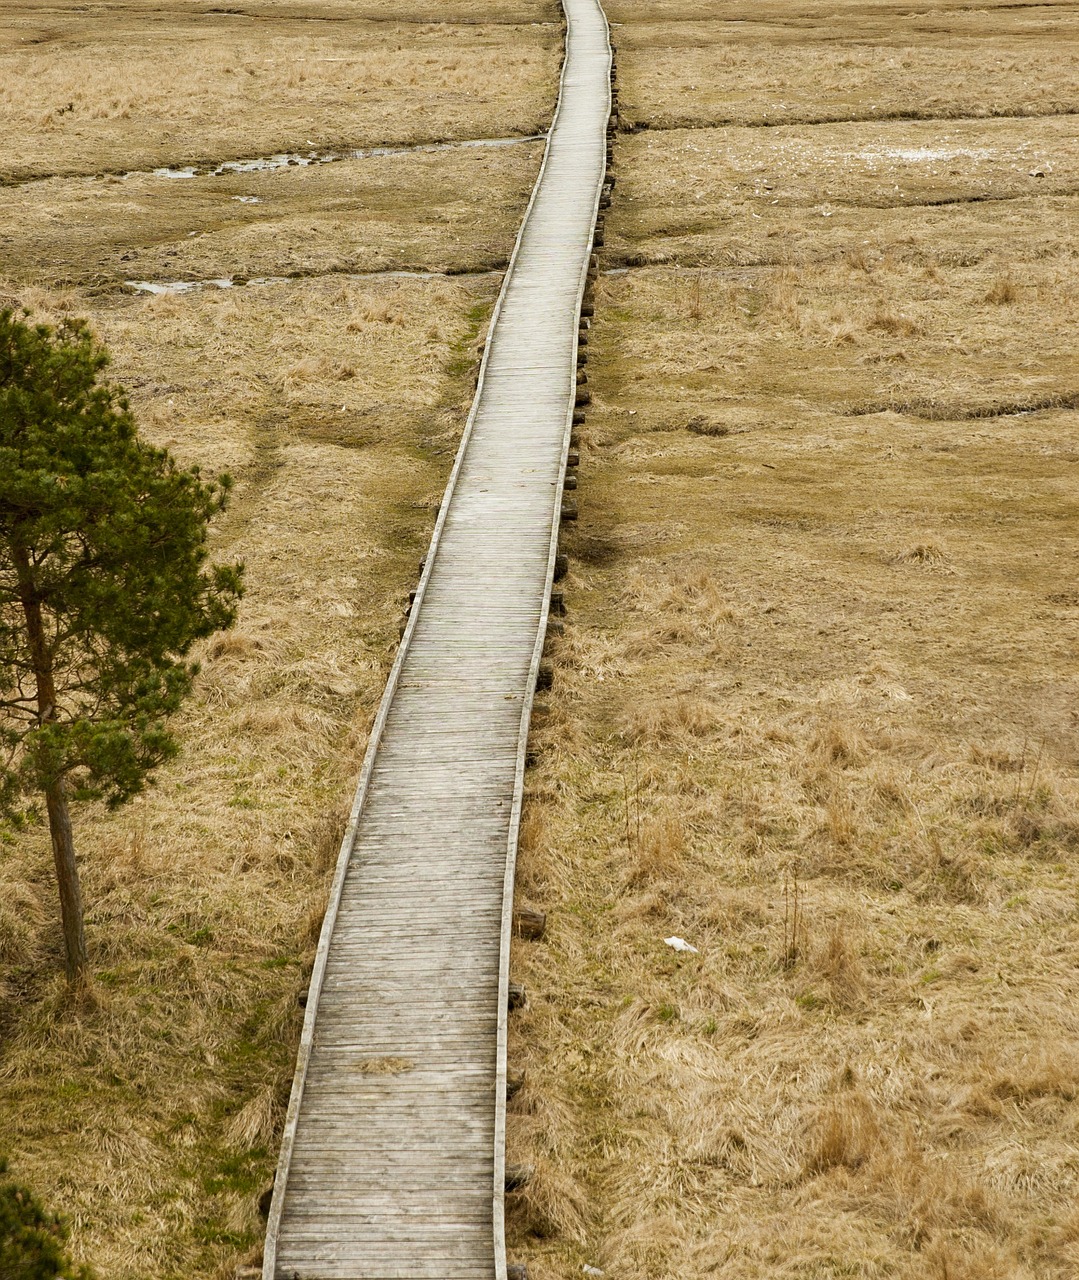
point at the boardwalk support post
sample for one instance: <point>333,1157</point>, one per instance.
<point>517,997</point>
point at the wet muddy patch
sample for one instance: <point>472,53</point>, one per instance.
<point>286,160</point>
<point>167,288</point>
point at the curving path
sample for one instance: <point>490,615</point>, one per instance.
<point>392,1162</point>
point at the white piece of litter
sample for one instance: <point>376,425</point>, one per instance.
<point>680,944</point>
<point>592,1271</point>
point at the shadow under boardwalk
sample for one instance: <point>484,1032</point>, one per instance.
<point>392,1161</point>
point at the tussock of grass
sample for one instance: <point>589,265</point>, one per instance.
<point>1002,292</point>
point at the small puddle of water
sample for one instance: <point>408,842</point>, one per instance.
<point>297,159</point>
<point>161,288</point>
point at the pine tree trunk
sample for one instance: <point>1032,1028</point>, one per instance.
<point>63,843</point>
<point>67,877</point>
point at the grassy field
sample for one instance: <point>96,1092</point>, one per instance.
<point>334,391</point>
<point>708,65</point>
<point>814,710</point>
<point>135,87</point>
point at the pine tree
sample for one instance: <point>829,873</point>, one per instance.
<point>104,586</point>
<point>32,1240</point>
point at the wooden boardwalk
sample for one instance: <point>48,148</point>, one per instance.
<point>392,1162</point>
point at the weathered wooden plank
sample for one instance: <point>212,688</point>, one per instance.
<point>384,1176</point>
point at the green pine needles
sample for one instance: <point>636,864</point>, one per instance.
<point>105,585</point>
<point>32,1239</point>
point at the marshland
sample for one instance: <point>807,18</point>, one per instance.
<point>814,705</point>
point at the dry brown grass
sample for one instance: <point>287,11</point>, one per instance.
<point>953,192</point>
<point>365,80</point>
<point>409,212</point>
<point>150,1114</point>
<point>835,338</point>
<point>873,62</point>
<point>822,619</point>
<point>820,643</point>
<point>125,91</point>
<point>152,1118</point>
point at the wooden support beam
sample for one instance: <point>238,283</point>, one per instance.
<point>529,922</point>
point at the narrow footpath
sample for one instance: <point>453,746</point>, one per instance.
<point>392,1162</point>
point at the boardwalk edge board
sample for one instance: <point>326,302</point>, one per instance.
<point>537,655</point>
<point>269,1269</point>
